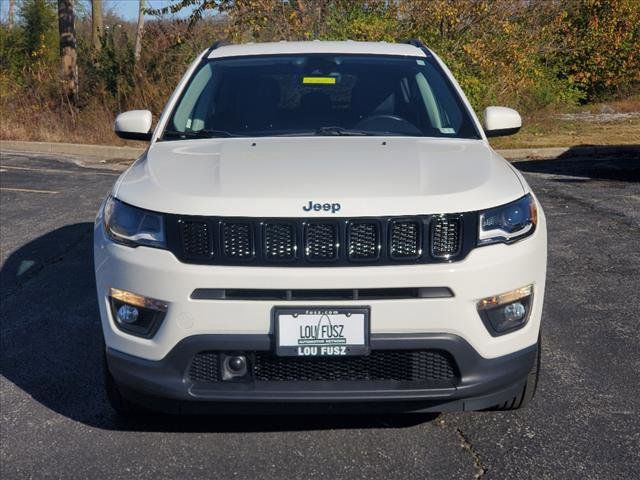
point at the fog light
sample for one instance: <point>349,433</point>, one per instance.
<point>127,314</point>
<point>234,366</point>
<point>136,314</point>
<point>506,312</point>
<point>514,312</point>
<point>508,318</point>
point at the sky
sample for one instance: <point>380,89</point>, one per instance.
<point>128,9</point>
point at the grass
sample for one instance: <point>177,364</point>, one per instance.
<point>91,126</point>
<point>587,126</point>
<point>541,129</point>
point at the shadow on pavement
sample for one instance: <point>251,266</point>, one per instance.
<point>611,162</point>
<point>268,423</point>
<point>51,346</point>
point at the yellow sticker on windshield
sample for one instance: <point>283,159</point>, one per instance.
<point>319,80</point>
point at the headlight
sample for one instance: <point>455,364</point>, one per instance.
<point>508,223</point>
<point>133,226</point>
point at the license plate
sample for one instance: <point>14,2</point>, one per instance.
<point>322,331</point>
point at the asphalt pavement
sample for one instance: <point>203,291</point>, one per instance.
<point>583,423</point>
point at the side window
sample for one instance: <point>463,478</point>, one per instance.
<point>196,102</point>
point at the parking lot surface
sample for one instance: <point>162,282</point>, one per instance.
<point>584,421</point>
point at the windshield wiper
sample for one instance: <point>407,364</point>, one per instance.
<point>340,131</point>
<point>204,133</point>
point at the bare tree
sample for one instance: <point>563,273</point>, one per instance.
<point>68,52</point>
<point>139,31</point>
<point>96,23</point>
<point>10,13</point>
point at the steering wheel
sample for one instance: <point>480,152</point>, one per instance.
<point>387,123</point>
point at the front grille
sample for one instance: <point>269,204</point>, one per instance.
<point>405,240</point>
<point>326,242</point>
<point>279,241</point>
<point>321,241</point>
<point>196,239</point>
<point>445,236</point>
<point>363,241</point>
<point>238,240</point>
<point>397,365</point>
<point>205,368</point>
<point>432,367</point>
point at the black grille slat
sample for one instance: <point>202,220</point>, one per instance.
<point>364,241</point>
<point>196,238</point>
<point>321,241</point>
<point>433,367</point>
<point>445,236</point>
<point>261,294</point>
<point>405,240</point>
<point>294,242</point>
<point>280,241</point>
<point>238,240</point>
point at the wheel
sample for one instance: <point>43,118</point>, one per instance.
<point>529,390</point>
<point>117,401</point>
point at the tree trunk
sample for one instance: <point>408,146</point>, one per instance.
<point>68,53</point>
<point>96,24</point>
<point>10,13</point>
<point>138,46</point>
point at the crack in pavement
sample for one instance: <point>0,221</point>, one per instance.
<point>466,444</point>
<point>480,468</point>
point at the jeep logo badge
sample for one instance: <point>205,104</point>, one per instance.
<point>317,207</point>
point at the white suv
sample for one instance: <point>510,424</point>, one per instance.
<point>320,225</point>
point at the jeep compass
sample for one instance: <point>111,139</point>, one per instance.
<point>320,225</point>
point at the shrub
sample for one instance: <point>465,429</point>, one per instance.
<point>600,46</point>
<point>528,54</point>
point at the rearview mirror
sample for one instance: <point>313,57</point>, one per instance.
<point>501,121</point>
<point>134,125</point>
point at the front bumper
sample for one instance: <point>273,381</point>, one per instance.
<point>165,384</point>
<point>489,370</point>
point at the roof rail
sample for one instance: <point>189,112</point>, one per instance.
<point>418,44</point>
<point>214,45</point>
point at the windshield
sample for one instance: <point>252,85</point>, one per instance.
<point>320,94</point>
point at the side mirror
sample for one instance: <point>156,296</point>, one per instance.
<point>501,121</point>
<point>134,125</point>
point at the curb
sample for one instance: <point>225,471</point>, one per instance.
<point>119,157</point>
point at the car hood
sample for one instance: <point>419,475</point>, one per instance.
<point>277,177</point>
